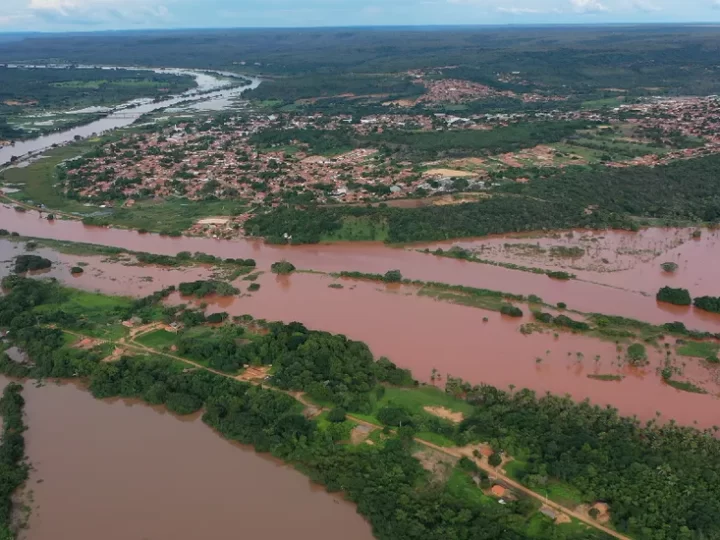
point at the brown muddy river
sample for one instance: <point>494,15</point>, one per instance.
<point>119,470</point>
<point>586,296</point>
<point>420,333</point>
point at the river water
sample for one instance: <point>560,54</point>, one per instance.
<point>121,470</point>
<point>422,334</point>
<point>123,116</point>
<point>587,296</point>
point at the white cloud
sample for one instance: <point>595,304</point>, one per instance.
<point>97,11</point>
<point>647,5</point>
<point>526,11</point>
<point>588,6</point>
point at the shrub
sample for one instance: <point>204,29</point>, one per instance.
<point>669,266</point>
<point>76,270</point>
<point>559,275</point>
<point>511,311</point>
<point>679,297</point>
<point>254,287</point>
<point>215,318</point>
<point>337,415</point>
<point>391,415</point>
<point>562,305</point>
<point>392,276</point>
<point>637,354</point>
<point>23,263</point>
<point>283,267</point>
<point>708,303</point>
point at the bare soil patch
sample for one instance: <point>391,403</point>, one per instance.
<point>447,172</point>
<point>360,433</point>
<point>438,464</point>
<point>445,413</point>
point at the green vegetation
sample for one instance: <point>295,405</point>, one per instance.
<point>253,287</point>
<point>605,377</point>
<point>158,339</point>
<point>684,386</point>
<point>637,354</point>
<point>282,267</point>
<point>13,469</point>
<point>76,270</point>
<point>511,311</point>
<point>669,267</point>
<point>24,263</point>
<point>203,288</point>
<point>699,349</point>
<point>679,297</point>
<point>708,303</point>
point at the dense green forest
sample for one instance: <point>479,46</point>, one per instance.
<point>72,87</point>
<point>424,145</point>
<point>678,59</point>
<point>594,197</point>
<point>13,469</point>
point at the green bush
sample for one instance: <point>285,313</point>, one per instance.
<point>511,311</point>
<point>679,297</point>
<point>282,267</point>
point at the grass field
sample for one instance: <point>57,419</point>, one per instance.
<point>36,181</point>
<point>359,229</point>
<point>491,303</point>
<point>461,485</point>
<point>172,214</point>
<point>699,349</point>
<point>157,339</point>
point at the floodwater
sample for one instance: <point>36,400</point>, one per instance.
<point>423,334</point>
<point>616,298</point>
<point>627,260</point>
<point>121,470</point>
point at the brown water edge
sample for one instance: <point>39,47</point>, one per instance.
<point>633,258</point>
<point>420,334</point>
<point>373,258</point>
<point>101,274</point>
<point>121,470</point>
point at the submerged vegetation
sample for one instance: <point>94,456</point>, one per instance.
<point>25,263</point>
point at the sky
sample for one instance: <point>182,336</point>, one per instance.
<point>93,15</point>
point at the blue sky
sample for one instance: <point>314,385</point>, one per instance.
<point>73,15</point>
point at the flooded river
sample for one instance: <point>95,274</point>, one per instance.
<point>423,334</point>
<point>121,470</point>
<point>587,296</point>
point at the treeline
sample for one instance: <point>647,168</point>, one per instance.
<point>202,288</point>
<point>424,145</point>
<point>677,59</point>
<point>596,197</point>
<point>13,469</point>
<point>62,88</point>
<point>708,303</point>
<point>635,468</point>
<point>499,214</point>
